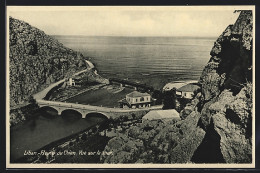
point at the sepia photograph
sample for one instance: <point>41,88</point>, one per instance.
<point>130,87</point>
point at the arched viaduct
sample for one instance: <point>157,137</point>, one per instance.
<point>87,109</point>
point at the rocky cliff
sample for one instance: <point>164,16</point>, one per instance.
<point>226,102</point>
<point>36,60</point>
<point>216,125</point>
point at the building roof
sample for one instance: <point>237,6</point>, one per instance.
<point>137,94</point>
<point>176,84</point>
<point>162,114</point>
<point>170,86</point>
<point>189,88</point>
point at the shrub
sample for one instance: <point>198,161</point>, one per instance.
<point>84,136</point>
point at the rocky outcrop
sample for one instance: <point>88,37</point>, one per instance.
<point>36,60</point>
<point>227,91</point>
<point>216,127</point>
<point>232,121</point>
<point>230,65</point>
<point>190,107</point>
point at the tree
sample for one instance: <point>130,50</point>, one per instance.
<point>94,129</point>
<point>158,95</point>
<point>169,99</point>
<point>32,100</point>
<point>125,118</point>
<point>133,116</point>
<point>84,136</point>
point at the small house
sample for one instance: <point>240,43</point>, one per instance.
<point>71,82</point>
<point>75,81</point>
<point>136,99</point>
<point>164,115</point>
<point>187,91</point>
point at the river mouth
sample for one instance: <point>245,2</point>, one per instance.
<point>45,127</point>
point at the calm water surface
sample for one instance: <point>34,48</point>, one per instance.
<point>151,60</point>
<point>46,128</point>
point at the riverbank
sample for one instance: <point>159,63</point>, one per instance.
<point>65,132</point>
<point>85,140</point>
<point>21,114</point>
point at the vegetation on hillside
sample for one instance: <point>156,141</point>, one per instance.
<point>36,60</point>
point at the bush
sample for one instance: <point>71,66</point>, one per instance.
<point>133,116</point>
<point>94,129</point>
<point>84,136</point>
<point>125,118</point>
<point>43,158</point>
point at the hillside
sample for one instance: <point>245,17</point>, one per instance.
<point>36,60</point>
<point>216,125</point>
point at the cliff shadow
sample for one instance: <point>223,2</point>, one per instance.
<point>209,150</point>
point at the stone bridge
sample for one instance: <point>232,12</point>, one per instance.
<point>84,110</point>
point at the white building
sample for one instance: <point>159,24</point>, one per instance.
<point>164,115</point>
<point>187,91</point>
<point>136,99</point>
<point>177,84</point>
<point>71,82</point>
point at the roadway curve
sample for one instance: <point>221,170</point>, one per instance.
<point>42,94</point>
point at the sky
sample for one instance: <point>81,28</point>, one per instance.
<point>200,21</point>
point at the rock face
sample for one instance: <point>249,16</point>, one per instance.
<point>227,90</point>
<point>36,60</point>
<point>230,64</point>
<point>216,127</point>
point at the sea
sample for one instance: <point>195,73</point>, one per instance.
<point>154,61</point>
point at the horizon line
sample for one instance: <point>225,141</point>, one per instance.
<point>132,36</point>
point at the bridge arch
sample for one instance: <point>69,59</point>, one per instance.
<point>69,113</point>
<point>49,108</point>
<point>99,114</point>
